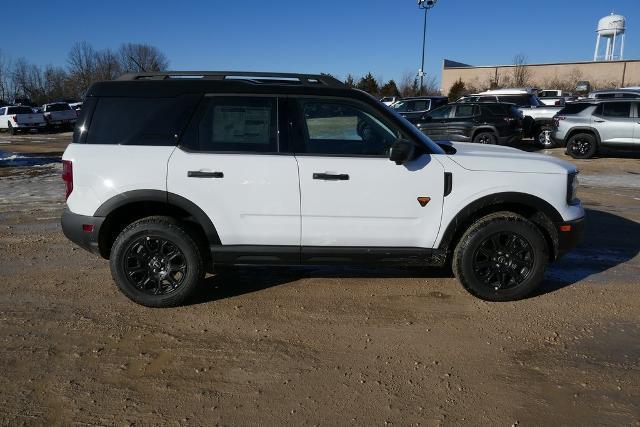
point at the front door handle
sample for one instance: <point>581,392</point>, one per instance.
<point>599,121</point>
<point>331,177</point>
<point>203,174</point>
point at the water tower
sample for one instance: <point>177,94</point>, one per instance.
<point>610,28</point>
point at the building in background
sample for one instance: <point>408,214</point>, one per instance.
<point>562,75</point>
<point>607,70</point>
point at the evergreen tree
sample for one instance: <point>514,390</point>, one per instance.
<point>457,90</point>
<point>350,81</point>
<point>389,89</point>
<point>369,84</point>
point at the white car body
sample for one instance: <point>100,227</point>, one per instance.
<point>59,113</point>
<point>271,200</point>
<point>20,118</point>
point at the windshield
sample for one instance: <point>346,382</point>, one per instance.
<point>417,134</point>
<point>58,107</point>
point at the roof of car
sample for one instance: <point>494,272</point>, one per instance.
<point>423,97</point>
<point>175,83</point>
<point>509,91</point>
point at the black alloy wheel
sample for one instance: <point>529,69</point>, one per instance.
<point>154,265</point>
<point>504,260</point>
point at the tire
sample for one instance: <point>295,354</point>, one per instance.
<point>501,257</point>
<point>156,263</point>
<point>485,138</point>
<point>542,137</point>
<point>12,130</point>
<point>582,146</point>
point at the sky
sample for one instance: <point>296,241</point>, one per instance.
<point>383,37</point>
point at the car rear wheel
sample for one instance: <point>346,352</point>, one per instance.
<point>156,263</point>
<point>502,257</point>
<point>582,146</point>
<point>543,137</point>
<point>485,138</point>
<point>12,130</point>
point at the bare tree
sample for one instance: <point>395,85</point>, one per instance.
<point>521,74</point>
<point>6,82</point>
<point>107,65</point>
<point>406,84</point>
<point>136,57</point>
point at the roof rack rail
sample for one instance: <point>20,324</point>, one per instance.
<point>246,76</point>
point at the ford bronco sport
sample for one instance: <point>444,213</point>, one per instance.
<point>172,175</point>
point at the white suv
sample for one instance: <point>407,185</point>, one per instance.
<point>171,175</point>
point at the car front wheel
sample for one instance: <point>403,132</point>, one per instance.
<point>156,263</point>
<point>501,257</point>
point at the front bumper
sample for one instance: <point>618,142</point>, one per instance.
<point>570,233</point>
<point>82,230</point>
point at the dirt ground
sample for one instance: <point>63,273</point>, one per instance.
<point>311,346</point>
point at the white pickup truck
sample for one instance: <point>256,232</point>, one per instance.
<point>60,114</point>
<point>15,118</point>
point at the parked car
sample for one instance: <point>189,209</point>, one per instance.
<point>614,94</point>
<point>555,97</point>
<point>389,100</point>
<point>59,114</point>
<point>171,178</point>
<point>18,118</point>
<point>483,123</point>
<point>538,118</point>
<point>414,108</point>
<point>585,126</point>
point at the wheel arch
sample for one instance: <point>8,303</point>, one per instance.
<point>121,210</point>
<point>583,129</point>
<point>484,128</point>
<point>537,210</point>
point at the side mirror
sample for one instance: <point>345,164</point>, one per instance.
<point>402,151</point>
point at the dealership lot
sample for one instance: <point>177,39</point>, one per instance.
<point>316,346</point>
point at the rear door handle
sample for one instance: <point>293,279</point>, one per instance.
<point>331,177</point>
<point>599,121</point>
<point>202,174</point>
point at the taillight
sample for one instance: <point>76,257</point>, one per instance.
<point>67,177</point>
<point>556,120</point>
<point>15,118</point>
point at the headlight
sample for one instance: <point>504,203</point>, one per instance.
<point>572,188</point>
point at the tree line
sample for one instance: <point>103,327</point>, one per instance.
<point>21,79</point>
<point>85,65</point>
<point>408,85</point>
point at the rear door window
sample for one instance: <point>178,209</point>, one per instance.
<point>464,111</point>
<point>19,110</point>
<point>616,109</point>
<point>235,124</point>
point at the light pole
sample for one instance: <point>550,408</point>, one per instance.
<point>426,5</point>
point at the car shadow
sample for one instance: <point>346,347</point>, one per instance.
<point>608,242</point>
<point>235,281</point>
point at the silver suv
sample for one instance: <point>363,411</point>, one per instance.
<point>585,126</point>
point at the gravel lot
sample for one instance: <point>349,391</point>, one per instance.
<point>315,346</point>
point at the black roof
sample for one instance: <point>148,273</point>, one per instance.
<point>175,83</point>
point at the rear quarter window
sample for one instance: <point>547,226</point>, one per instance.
<point>574,108</point>
<point>140,121</point>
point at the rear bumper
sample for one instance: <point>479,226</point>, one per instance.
<point>570,234</point>
<point>82,230</point>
